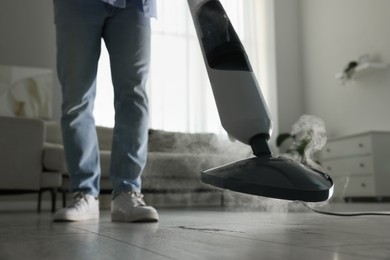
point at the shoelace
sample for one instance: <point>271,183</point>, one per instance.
<point>78,199</point>
<point>78,196</point>
<point>136,199</point>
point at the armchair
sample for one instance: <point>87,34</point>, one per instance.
<point>21,155</point>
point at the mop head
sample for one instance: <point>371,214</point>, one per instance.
<point>279,178</point>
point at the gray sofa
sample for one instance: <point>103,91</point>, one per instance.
<point>32,160</point>
<point>172,173</point>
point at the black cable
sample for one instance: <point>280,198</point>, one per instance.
<point>346,214</point>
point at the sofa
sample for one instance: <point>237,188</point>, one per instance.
<point>32,160</point>
<point>171,177</point>
<point>21,156</point>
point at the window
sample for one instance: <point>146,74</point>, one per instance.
<point>180,96</point>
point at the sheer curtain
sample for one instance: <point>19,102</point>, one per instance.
<point>180,94</point>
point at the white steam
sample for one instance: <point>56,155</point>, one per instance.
<point>309,129</point>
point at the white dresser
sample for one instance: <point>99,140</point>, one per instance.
<point>359,164</point>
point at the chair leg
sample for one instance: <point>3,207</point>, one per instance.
<point>53,193</point>
<point>63,198</point>
<point>53,199</point>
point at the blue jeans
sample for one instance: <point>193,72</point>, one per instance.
<point>80,26</point>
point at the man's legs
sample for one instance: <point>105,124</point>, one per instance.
<point>80,25</point>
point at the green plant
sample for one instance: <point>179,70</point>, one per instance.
<point>297,147</point>
<point>307,136</point>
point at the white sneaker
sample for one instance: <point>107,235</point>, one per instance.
<point>130,207</point>
<point>84,207</point>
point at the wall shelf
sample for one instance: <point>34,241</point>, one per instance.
<point>365,68</point>
<point>360,68</point>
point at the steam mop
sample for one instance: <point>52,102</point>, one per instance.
<point>245,117</point>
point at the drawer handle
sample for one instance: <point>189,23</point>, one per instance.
<point>329,168</point>
<point>328,150</point>
<point>361,145</point>
<point>363,185</point>
<point>362,165</point>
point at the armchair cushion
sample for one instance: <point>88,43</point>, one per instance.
<point>53,157</point>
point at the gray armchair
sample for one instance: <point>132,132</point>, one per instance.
<point>21,155</point>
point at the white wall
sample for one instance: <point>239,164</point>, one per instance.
<point>27,38</point>
<point>288,63</point>
<point>333,33</point>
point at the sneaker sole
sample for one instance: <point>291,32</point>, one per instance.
<point>76,218</point>
<point>119,217</point>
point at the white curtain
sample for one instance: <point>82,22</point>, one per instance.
<point>179,92</point>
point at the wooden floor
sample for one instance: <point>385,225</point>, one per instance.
<point>201,234</point>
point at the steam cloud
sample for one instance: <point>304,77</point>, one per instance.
<point>310,128</point>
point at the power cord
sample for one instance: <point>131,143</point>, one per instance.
<point>345,214</point>
<point>356,214</point>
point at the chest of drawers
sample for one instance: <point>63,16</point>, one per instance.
<point>359,164</point>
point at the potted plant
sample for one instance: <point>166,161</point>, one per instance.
<point>308,136</point>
